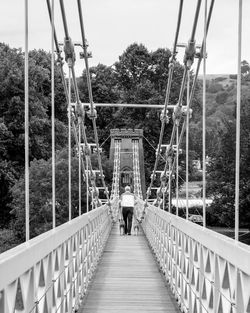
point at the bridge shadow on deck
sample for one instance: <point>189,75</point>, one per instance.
<point>128,279</point>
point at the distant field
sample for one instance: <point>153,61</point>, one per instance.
<point>223,79</point>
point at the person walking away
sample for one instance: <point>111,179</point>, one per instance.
<point>127,204</point>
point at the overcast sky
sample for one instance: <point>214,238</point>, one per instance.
<point>111,25</point>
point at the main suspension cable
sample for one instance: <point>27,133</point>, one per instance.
<point>70,59</point>
<point>189,56</point>
<point>164,112</point>
<point>58,52</point>
<point>92,113</point>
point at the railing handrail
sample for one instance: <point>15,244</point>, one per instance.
<point>23,255</point>
<point>239,252</point>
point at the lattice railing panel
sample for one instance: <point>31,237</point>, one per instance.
<point>116,180</point>
<point>51,272</point>
<point>136,169</point>
<point>206,271</point>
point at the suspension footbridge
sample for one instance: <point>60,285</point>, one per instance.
<point>85,265</point>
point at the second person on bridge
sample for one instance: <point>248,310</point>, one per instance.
<point>127,203</point>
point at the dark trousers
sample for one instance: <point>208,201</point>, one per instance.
<point>127,213</point>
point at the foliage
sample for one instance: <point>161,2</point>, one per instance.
<point>41,194</point>
<point>7,240</point>
<point>214,87</point>
<point>221,97</point>
<point>221,185</point>
<point>139,76</point>
<point>12,115</point>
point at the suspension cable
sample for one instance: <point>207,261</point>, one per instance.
<point>26,93</point>
<point>201,51</point>
<point>53,117</point>
<point>169,151</point>
<point>188,61</point>
<point>87,184</point>
<point>164,112</point>
<point>79,170</point>
<point>204,117</point>
<point>237,160</point>
<point>154,148</point>
<point>92,114</point>
<point>64,19</point>
<point>187,141</point>
<point>58,52</point>
<point>60,63</point>
<point>69,145</point>
<point>177,170</point>
<point>70,59</point>
<point>195,20</point>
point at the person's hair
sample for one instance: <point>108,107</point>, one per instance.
<point>127,188</point>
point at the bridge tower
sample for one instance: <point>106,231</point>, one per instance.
<point>127,136</point>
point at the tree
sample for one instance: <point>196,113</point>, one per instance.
<point>41,194</point>
<point>12,114</point>
<point>221,183</point>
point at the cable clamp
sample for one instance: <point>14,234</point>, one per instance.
<point>159,192</point>
<point>172,61</point>
<point>71,111</point>
<point>175,149</point>
<point>59,59</point>
<point>92,113</point>
<point>164,117</point>
<point>152,176</point>
<point>80,112</point>
<point>95,191</point>
<point>92,177</point>
<point>163,177</point>
<point>82,55</point>
<point>86,149</point>
<point>69,51</point>
<point>199,54</point>
<point>148,193</point>
<point>177,114</point>
<point>189,54</point>
<point>185,112</point>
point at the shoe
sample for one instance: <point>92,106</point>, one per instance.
<point>129,234</point>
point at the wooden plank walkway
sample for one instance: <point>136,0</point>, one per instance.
<point>128,280</point>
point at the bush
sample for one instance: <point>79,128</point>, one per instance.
<point>219,79</point>
<point>214,87</point>
<point>7,240</point>
<point>221,97</point>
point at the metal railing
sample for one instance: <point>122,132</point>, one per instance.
<point>136,169</point>
<point>51,273</point>
<point>116,181</point>
<point>206,271</point>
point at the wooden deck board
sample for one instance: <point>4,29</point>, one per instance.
<point>128,280</point>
